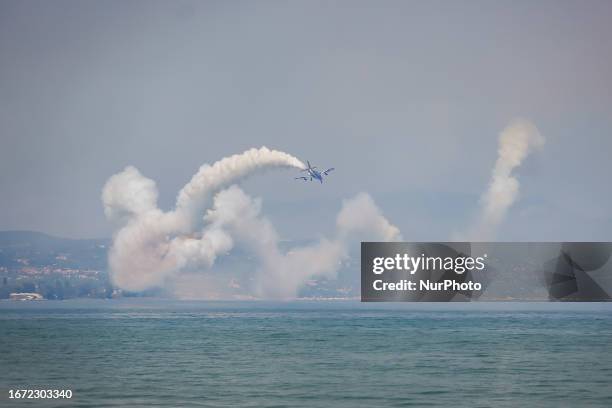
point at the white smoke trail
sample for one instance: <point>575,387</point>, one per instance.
<point>192,199</point>
<point>281,274</point>
<point>515,143</point>
<point>152,248</point>
<point>150,245</point>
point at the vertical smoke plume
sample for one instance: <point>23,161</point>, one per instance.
<point>515,143</point>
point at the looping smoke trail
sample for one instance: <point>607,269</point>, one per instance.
<point>516,141</point>
<point>192,198</point>
<point>150,245</point>
<point>152,248</point>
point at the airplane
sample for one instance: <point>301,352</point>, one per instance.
<point>313,173</point>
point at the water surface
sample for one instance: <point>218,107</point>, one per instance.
<point>140,352</point>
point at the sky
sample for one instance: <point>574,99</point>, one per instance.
<point>405,99</point>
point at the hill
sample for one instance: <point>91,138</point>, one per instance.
<point>57,268</point>
<point>36,249</point>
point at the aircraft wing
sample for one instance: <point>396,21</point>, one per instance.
<point>326,172</point>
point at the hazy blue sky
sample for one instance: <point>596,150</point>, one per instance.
<point>406,99</point>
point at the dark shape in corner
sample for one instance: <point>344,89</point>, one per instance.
<point>568,277</point>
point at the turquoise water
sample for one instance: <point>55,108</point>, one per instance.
<point>308,354</point>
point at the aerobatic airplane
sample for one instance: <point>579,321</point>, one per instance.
<point>313,173</point>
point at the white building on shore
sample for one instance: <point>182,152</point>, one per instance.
<point>26,296</point>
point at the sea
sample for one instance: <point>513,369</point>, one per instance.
<point>165,353</point>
